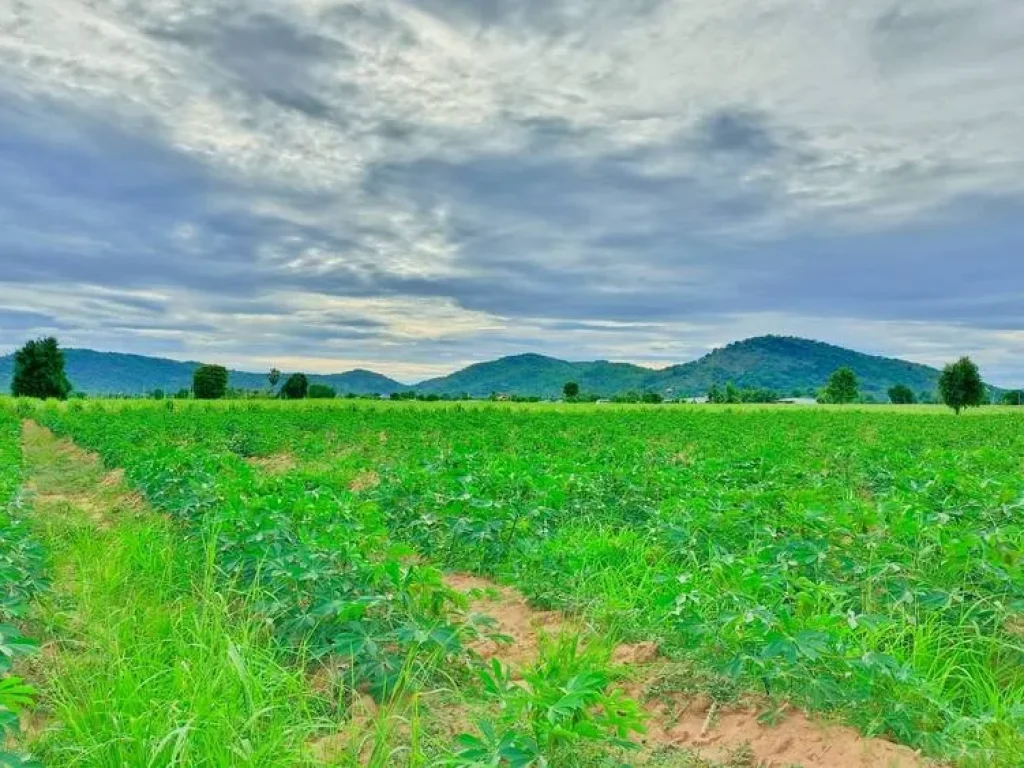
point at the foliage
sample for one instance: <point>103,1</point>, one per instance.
<point>210,382</point>
<point>570,390</point>
<point>732,394</point>
<point>1013,397</point>
<point>562,701</point>
<point>862,562</point>
<point>321,392</point>
<point>21,578</point>
<point>960,385</point>
<point>295,387</point>
<point>901,394</point>
<point>273,378</point>
<point>39,371</point>
<point>842,387</point>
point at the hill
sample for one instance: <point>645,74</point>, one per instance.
<point>536,375</point>
<point>780,363</point>
<point>106,373</point>
<point>786,364</point>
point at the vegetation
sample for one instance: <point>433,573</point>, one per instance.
<point>295,387</point>
<point>21,579</point>
<point>321,392</point>
<point>210,382</point>
<point>862,563</point>
<point>39,371</point>
<point>273,378</point>
<point>842,387</point>
<point>901,394</point>
<point>1015,397</point>
<point>769,363</point>
<point>732,394</point>
<point>960,385</point>
<point>571,390</point>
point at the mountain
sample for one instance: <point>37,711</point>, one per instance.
<point>104,373</point>
<point>536,375</point>
<point>786,364</point>
<point>780,363</point>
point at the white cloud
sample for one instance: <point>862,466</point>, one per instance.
<point>467,172</point>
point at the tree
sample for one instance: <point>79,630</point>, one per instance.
<point>39,371</point>
<point>296,387</point>
<point>210,382</point>
<point>960,385</point>
<point>571,390</point>
<point>842,387</point>
<point>1013,398</point>
<point>273,377</point>
<point>321,392</point>
<point>901,394</point>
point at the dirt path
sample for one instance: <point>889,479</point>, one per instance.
<point>692,723</point>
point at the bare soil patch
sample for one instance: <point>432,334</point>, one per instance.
<point>365,480</point>
<point>276,464</point>
<point>689,722</point>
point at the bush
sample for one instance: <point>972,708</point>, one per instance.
<point>210,382</point>
<point>960,385</point>
<point>296,387</point>
<point>901,394</point>
<point>842,387</point>
<point>321,392</point>
<point>39,371</point>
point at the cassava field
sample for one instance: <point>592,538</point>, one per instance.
<point>406,584</point>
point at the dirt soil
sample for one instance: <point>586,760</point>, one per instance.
<point>691,723</point>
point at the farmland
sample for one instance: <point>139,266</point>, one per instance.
<point>307,584</point>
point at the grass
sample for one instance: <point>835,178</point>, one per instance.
<point>861,562</point>
<point>148,664</point>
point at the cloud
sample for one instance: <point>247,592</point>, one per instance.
<point>415,184</point>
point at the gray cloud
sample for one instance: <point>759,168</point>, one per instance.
<point>417,183</point>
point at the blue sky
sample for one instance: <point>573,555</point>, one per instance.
<point>414,185</point>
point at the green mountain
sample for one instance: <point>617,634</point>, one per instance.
<point>106,373</point>
<point>783,364</point>
<point>786,364</point>
<point>535,375</point>
<point>780,363</point>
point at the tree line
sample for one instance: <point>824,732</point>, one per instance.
<point>39,372</point>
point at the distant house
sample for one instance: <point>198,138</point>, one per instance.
<point>702,400</point>
<point>798,401</point>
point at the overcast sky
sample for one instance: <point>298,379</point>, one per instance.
<point>414,185</point>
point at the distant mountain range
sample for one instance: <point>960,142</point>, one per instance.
<point>783,364</point>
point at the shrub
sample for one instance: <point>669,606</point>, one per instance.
<point>39,371</point>
<point>842,387</point>
<point>321,392</point>
<point>901,394</point>
<point>960,385</point>
<point>296,387</point>
<point>210,382</point>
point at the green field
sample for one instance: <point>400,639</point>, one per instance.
<point>275,592</point>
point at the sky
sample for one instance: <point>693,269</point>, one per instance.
<point>414,185</point>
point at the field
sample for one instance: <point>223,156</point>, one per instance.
<point>470,585</point>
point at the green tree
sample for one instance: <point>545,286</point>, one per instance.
<point>296,387</point>
<point>274,377</point>
<point>39,371</point>
<point>571,390</point>
<point>210,382</point>
<point>321,392</point>
<point>960,385</point>
<point>901,394</point>
<point>842,387</point>
<point>158,394</point>
<point>1012,398</point>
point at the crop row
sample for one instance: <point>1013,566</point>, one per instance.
<point>863,563</point>
<point>21,577</point>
